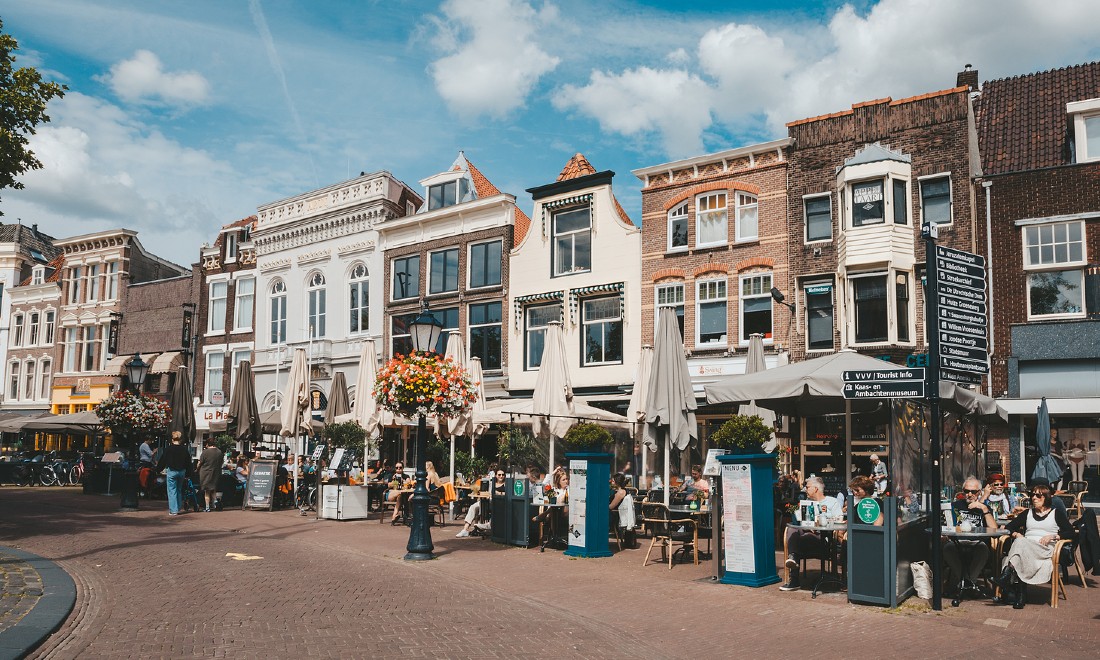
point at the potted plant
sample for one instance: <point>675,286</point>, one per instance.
<point>515,448</point>
<point>587,437</point>
<point>742,434</point>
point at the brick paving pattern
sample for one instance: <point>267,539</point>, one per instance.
<point>156,586</point>
<point>20,589</point>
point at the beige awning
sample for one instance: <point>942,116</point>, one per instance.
<point>116,366</point>
<point>166,362</point>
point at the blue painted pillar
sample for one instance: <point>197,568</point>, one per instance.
<point>589,498</point>
<point>747,535</point>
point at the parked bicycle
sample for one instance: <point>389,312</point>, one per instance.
<point>77,471</point>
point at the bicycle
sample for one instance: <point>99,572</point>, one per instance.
<point>306,496</point>
<point>76,472</point>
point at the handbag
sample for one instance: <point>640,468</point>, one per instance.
<point>922,579</point>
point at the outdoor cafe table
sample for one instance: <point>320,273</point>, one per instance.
<point>828,533</point>
<point>955,536</point>
<point>701,515</point>
<point>558,526</point>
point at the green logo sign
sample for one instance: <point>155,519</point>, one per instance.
<point>868,510</point>
<point>517,487</point>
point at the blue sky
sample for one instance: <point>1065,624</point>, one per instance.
<point>184,116</point>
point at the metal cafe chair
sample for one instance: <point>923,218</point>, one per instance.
<point>668,531</point>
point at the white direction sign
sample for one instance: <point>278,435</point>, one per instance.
<point>962,364</point>
<point>967,258</point>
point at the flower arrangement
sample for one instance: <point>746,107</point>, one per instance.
<point>424,383</point>
<point>129,415</point>
<point>587,436</point>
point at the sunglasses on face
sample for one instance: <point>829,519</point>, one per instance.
<point>971,492</point>
<point>998,485</point>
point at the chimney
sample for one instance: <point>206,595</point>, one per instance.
<point>968,77</point>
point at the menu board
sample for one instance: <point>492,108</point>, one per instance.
<point>261,485</point>
<point>578,500</point>
<point>737,540</point>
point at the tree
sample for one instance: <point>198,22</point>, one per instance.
<point>23,100</point>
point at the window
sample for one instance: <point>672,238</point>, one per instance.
<point>901,203</point>
<point>72,349</point>
<point>603,331</point>
<point>710,220</point>
<point>678,228</point>
<point>449,318</point>
<point>572,241</point>
<point>537,319</point>
<point>112,281</point>
<point>448,194</point>
<point>935,200</point>
<point>867,204</point>
<point>76,285</point>
<point>1085,145</point>
<point>13,381</point>
<point>315,300</point>
<point>1055,292</point>
<point>756,306</point>
<point>358,307</point>
<point>671,295</point>
<point>869,297</point>
<point>1092,137</point>
<point>819,317</point>
<point>819,218</point>
<point>246,296</point>
<point>44,383</point>
<point>219,291</point>
<point>17,330</point>
<point>93,283</point>
<point>90,349</point>
<point>748,218</point>
<point>406,277</point>
<point>400,338</point>
<point>901,303</point>
<point>230,247</point>
<point>215,368</point>
<point>484,321</point>
<point>711,313</point>
<point>485,261</point>
<point>28,379</point>
<point>48,334</point>
<point>443,271</point>
<point>38,275</point>
<point>32,329</point>
<point>278,312</point>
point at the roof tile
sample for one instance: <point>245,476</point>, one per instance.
<point>577,167</point>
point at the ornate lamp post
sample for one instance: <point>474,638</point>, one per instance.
<point>425,331</point>
<point>136,370</point>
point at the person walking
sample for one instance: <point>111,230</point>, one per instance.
<point>176,460</point>
<point>210,470</point>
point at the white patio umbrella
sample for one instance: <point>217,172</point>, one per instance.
<point>635,410</point>
<point>293,416</point>
<point>477,377</point>
<point>365,411</point>
<point>670,401</point>
<point>755,362</point>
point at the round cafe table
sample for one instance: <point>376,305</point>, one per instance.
<point>831,574</point>
<point>956,536</point>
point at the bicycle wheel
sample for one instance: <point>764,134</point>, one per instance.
<point>46,477</point>
<point>75,472</point>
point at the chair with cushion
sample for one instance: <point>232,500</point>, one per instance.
<point>1079,489</point>
<point>1065,554</point>
<point>668,531</point>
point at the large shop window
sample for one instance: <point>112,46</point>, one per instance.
<point>536,320</point>
<point>603,331</point>
<point>443,271</point>
<point>484,321</point>
<point>406,277</point>
<point>819,316</point>
<point>867,204</point>
<point>671,295</point>
<point>278,312</point>
<point>572,241</point>
<point>756,306</point>
<point>819,218</point>
<point>711,313</point>
<point>871,308</point>
<point>485,261</point>
<point>678,228</point>
<point>711,220</point>
<point>1054,287</point>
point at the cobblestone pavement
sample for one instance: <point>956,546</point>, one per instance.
<point>257,584</point>
<point>20,589</point>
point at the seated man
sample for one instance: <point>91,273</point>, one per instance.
<point>995,497</point>
<point>972,510</point>
<point>803,543</point>
<point>697,482</point>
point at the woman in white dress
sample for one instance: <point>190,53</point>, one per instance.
<point>1034,536</point>
<point>623,502</point>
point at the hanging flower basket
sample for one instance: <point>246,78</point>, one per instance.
<point>130,415</point>
<point>423,384</point>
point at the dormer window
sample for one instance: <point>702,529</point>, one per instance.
<point>231,246</point>
<point>1086,129</point>
<point>38,275</point>
<point>448,193</point>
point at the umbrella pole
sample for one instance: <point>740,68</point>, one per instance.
<point>552,453</point>
<point>668,438</point>
<point>645,466</point>
<point>296,476</point>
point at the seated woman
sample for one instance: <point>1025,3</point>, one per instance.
<point>861,487</point>
<point>393,493</point>
<point>241,472</point>
<point>1034,536</point>
<point>432,481</point>
<point>623,502</point>
<point>559,481</point>
<point>475,508</point>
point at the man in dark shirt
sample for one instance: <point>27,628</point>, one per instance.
<point>972,512</point>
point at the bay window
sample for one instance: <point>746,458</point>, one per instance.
<point>867,203</point>
<point>871,309</point>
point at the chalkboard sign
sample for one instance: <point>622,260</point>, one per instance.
<point>260,491</point>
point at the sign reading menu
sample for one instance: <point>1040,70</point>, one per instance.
<point>578,499</point>
<point>260,490</point>
<point>740,552</point>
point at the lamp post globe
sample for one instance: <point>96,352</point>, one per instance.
<point>137,370</point>
<point>425,330</point>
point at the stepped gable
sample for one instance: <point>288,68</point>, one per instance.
<point>1022,120</point>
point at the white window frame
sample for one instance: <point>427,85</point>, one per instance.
<point>932,178</point>
<point>238,299</point>
<point>76,285</point>
<point>891,315</point>
<point>218,290</point>
<point>457,274</point>
<point>71,343</point>
<point>883,180</point>
<point>236,357</point>
<point>572,235</point>
<point>93,282</point>
<point>45,365</point>
<point>718,283</point>
<point>90,358</point>
<point>34,320</point>
<point>276,304</point>
<point>231,249</point>
<point>30,366</point>
<point>678,213</point>
<point>316,305</point>
<point>14,379</point>
<point>111,292</point>
<point>17,329</point>
<point>49,321</point>
<point>211,387</point>
<point>528,329</point>
<point>358,311</point>
<point>1054,263</point>
<point>806,218</point>
<point>470,264</point>
<point>743,205</point>
<point>1084,112</point>
<point>806,309</point>
<point>675,305</point>
<point>610,321</point>
<point>38,275</point>
<point>741,297</point>
<point>717,213</point>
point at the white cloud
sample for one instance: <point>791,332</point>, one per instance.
<point>493,61</point>
<point>142,79</point>
<point>782,73</point>
<point>634,102</point>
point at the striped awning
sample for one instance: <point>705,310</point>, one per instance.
<point>584,291</point>
<point>116,366</point>
<point>166,362</point>
<point>549,296</point>
<point>549,207</point>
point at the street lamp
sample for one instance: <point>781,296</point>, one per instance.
<point>136,369</point>
<point>425,330</point>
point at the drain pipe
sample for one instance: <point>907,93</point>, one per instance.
<point>989,278</point>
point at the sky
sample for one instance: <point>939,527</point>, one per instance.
<point>182,117</point>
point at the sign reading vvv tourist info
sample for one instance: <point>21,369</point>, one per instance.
<point>578,499</point>
<point>737,518</point>
<point>961,321</point>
